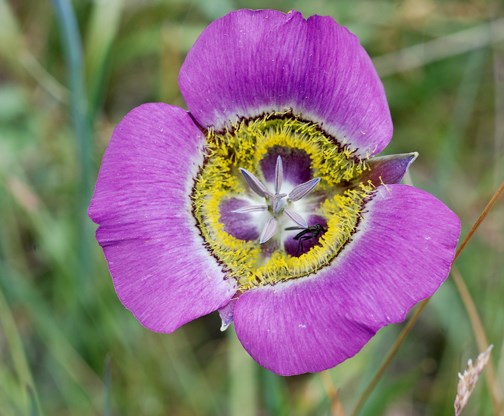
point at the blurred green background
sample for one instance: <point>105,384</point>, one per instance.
<point>68,347</point>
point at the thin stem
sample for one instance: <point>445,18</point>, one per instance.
<point>336,407</point>
<point>328,384</point>
<point>457,43</point>
<point>399,340</point>
<point>43,78</point>
<point>498,193</point>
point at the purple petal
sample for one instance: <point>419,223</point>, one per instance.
<point>268,230</point>
<point>160,269</point>
<point>400,255</point>
<point>388,169</point>
<point>297,218</point>
<point>252,62</point>
<point>248,209</point>
<point>254,183</point>
<point>278,175</point>
<point>236,222</point>
<point>304,189</point>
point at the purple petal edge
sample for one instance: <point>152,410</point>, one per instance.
<point>159,266</point>
<point>401,254</point>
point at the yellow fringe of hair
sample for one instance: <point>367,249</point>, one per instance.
<point>244,146</point>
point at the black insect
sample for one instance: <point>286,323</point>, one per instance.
<point>308,233</point>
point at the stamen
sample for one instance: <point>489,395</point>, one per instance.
<point>250,208</point>
<point>276,202</point>
<point>268,230</point>
<point>294,216</point>
<point>254,183</point>
<point>304,189</point>
<point>278,175</point>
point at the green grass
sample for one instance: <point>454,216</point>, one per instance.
<point>68,347</point>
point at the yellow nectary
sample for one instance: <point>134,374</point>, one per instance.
<point>244,146</point>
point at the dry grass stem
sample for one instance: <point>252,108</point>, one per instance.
<point>336,407</point>
<point>495,197</point>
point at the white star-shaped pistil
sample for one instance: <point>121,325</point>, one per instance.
<point>276,204</point>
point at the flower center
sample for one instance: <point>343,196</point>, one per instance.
<point>277,199</point>
<point>276,204</point>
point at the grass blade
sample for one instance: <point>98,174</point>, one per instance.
<point>81,123</point>
<point>242,379</point>
<point>102,30</point>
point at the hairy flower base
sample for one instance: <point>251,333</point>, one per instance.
<point>254,145</point>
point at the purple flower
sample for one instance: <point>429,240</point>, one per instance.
<point>266,202</point>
